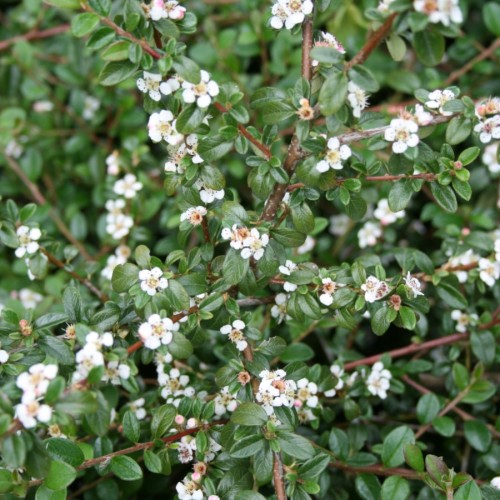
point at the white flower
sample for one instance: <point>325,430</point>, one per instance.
<point>334,156</point>
<point>488,129</point>
<point>166,10</point>
<point>186,449</point>
<point>235,334</point>
<point>137,408</point>
<point>113,163</point>
<point>438,98</point>
<point>174,386</point>
<point>35,381</point>
<point>440,11</point>
<point>278,311</point>
<point>119,226</point>
<point>4,356</point>
<point>490,157</point>
<point>384,5</point>
<point>29,299</point>
<point>116,371</point>
<point>463,320</point>
<point>403,134</point>
<point>90,106</point>
<point>122,253</point>
<point>306,393</point>
<point>201,92</point>
<point>150,84</point>
<point>128,186</point>
<point>225,401</point>
<point>152,281</point>
<point>115,207</point>
<point>328,40</point>
<point>337,372</point>
<point>161,126</point>
<point>43,106</point>
<point>194,215</point>
<point>489,271</point>
<point>171,85</point>
<point>374,289</point>
<point>30,412</point>
<point>413,285</point>
<point>254,244</point>
<point>495,482</point>
<point>357,99</point>
<point>274,390</point>
<point>95,341</point>
<point>339,224</point>
<point>378,382</point>
<point>13,149</point>
<point>423,117</point>
<point>28,241</point>
<point>385,215</point>
<point>237,235</point>
<point>328,290</point>
<point>157,331</point>
<point>464,259</point>
<point>288,268</point>
<point>307,246</point>
<point>189,489</point>
<point>369,234</point>
<point>290,13</point>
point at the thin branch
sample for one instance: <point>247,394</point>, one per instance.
<point>40,200</point>
<point>35,35</point>
<point>84,281</point>
<point>410,349</point>
<point>372,43</point>
<point>377,469</point>
<point>279,483</point>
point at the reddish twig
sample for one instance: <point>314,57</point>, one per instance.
<point>372,43</point>
<point>279,483</point>
<point>35,35</point>
<point>41,200</point>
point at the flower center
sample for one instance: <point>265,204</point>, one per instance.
<point>333,156</point>
<point>165,128</point>
<point>402,135</point>
<point>200,88</point>
<point>153,282</point>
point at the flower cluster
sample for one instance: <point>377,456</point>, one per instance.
<point>159,9</point>
<point>488,129</point>
<point>379,380</point>
<point>34,384</point>
<point>278,310</point>
<point>235,334</point>
<point>128,186</point>
<point>369,234</point>
<point>173,385</point>
<point>118,223</point>
<point>385,215</point>
<point>357,99</point>
<point>157,331</point>
<point>152,280</point>
<point>161,127</point>
<point>463,320</point>
<point>28,241</point>
<point>289,13</point>
<point>275,390</point>
<point>225,401</point>
<point>334,156</point>
<point>121,255</point>
<point>374,289</point>
<point>91,354</point>
<point>440,11</point>
<point>29,299</point>
<point>438,98</point>
<point>249,241</point>
<point>187,148</point>
<point>288,269</point>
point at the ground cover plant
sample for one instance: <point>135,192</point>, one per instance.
<point>250,249</point>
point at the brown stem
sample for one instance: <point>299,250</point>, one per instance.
<point>382,178</point>
<point>84,281</point>
<point>412,348</point>
<point>377,469</point>
<point>41,200</point>
<point>372,43</point>
<point>307,43</point>
<point>35,35</point>
<point>279,483</point>
<point>206,232</point>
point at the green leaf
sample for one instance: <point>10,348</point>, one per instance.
<point>295,445</point>
<point>124,276</point>
<point>408,318</point>
<point>449,293</point>
<point>125,468</point>
<point>99,421</point>
<point>364,78</point>
<point>367,486</point>
<point>480,391</point>
<point>272,347</point>
<point>50,319</point>
<point>187,69</point>
<point>152,462</point>
<point>483,346</point>
<point>444,196</point>
<point>248,446</point>
<point>444,426</point>
<point>83,24</point>
<point>458,130</point>
<point>57,348</point>
<point>381,320</point>
<point>78,403</point>
<point>13,451</point>
<point>163,418</point>
<point>314,467</point>
<point>265,95</point>
<point>276,112</point>
<point>436,468</point>
<point>462,188</point>
<point>234,267</point>
<point>327,55</point>
<point>64,4</point>
<point>397,47</point>
<point>393,446</point>
<point>117,51</point>
<point>414,457</point>
<point>6,481</point>
<point>288,237</point>
<point>429,47</point>
<point>491,17</point>
<point>469,491</point>
<point>303,218</point>
<point>131,426</point>
<point>467,156</point>
<point>60,475</point>
<point>395,488</point>
<point>249,414</point>
<point>297,352</point>
<point>477,435</point>
<point>400,195</point>
<point>428,408</point>
<point>189,119</point>
<point>101,6</point>
<point>65,450</point>
<point>214,147</point>
<point>180,347</point>
<point>116,72</point>
<point>333,93</point>
<point>72,303</point>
